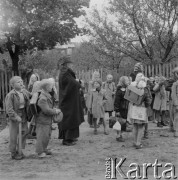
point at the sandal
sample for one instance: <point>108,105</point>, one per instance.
<point>106,133</point>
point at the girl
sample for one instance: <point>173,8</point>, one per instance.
<point>121,105</point>
<point>96,105</point>
<point>110,88</point>
<point>138,125</point>
<point>160,102</point>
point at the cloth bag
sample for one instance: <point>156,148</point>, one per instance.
<point>117,126</point>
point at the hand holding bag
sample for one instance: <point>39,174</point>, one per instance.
<point>58,117</point>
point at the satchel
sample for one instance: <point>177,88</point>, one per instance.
<point>58,117</point>
<point>134,95</point>
<point>34,108</point>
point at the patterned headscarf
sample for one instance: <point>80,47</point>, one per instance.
<point>138,67</point>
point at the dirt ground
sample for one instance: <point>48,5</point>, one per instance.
<point>86,160</point>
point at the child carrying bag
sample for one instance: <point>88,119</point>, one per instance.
<point>134,95</point>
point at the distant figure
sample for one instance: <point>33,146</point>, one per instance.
<point>138,68</point>
<point>34,77</point>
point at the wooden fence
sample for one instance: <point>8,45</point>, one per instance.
<point>5,87</point>
<point>149,71</point>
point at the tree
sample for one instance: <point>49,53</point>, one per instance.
<point>140,29</point>
<point>88,56</point>
<point>37,24</point>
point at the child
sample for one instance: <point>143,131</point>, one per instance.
<point>138,125</point>
<point>160,102</point>
<point>121,105</point>
<point>16,107</point>
<point>96,105</point>
<point>174,96</point>
<point>110,88</point>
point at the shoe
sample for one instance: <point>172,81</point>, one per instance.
<point>106,133</point>
<point>48,152</point>
<point>120,139</point>
<point>42,155</point>
<point>17,157</point>
<point>67,143</point>
<point>95,132</point>
<point>145,136</point>
<point>163,123</point>
<point>159,125</point>
<point>139,146</point>
<point>75,140</point>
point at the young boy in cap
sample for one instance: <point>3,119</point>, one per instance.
<point>16,108</point>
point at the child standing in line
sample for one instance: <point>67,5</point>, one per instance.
<point>160,102</point>
<point>96,105</point>
<point>121,105</point>
<point>16,102</point>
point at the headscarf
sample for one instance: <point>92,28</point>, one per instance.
<point>138,67</point>
<point>122,81</point>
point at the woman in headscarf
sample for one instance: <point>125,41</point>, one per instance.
<point>121,105</point>
<point>138,125</point>
<point>70,104</point>
<point>138,68</point>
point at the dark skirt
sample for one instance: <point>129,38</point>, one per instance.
<point>69,134</point>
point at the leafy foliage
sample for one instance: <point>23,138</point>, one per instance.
<point>39,24</point>
<point>140,29</point>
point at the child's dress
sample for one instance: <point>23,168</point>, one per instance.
<point>110,89</point>
<point>96,103</point>
<point>160,102</point>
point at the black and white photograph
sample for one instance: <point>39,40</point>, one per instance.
<point>88,89</point>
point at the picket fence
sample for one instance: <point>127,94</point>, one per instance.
<point>149,71</point>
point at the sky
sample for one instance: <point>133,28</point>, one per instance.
<point>93,3</point>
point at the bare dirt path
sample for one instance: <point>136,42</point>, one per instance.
<point>86,160</point>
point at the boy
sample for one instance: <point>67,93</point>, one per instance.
<point>16,108</point>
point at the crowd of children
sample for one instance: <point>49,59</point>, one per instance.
<point>158,104</point>
<point>158,97</point>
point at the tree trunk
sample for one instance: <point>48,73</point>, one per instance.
<point>14,51</point>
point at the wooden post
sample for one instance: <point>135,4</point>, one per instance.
<point>153,73</point>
